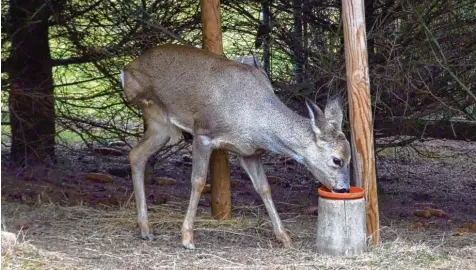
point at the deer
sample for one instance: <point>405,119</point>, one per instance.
<point>227,105</point>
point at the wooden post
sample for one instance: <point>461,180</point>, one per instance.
<point>360,110</point>
<point>219,166</point>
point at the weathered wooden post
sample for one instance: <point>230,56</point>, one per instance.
<point>360,110</point>
<point>219,161</point>
<point>341,223</point>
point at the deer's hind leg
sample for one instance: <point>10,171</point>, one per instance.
<point>159,132</point>
<point>201,151</point>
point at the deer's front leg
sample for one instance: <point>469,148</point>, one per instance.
<point>201,151</point>
<point>254,168</point>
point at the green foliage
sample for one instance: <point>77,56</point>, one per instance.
<point>91,41</point>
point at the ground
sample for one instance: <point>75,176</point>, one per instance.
<point>61,220</point>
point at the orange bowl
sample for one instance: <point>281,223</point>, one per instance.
<point>354,193</point>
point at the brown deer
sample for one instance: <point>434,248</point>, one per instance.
<point>229,105</point>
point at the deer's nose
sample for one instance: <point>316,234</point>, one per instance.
<point>341,190</point>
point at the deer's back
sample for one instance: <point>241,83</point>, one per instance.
<point>196,85</point>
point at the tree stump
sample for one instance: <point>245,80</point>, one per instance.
<point>341,229</point>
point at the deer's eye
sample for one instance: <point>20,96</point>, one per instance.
<point>337,161</point>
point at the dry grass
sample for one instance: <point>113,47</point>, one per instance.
<point>87,238</point>
<point>21,254</point>
<point>51,236</point>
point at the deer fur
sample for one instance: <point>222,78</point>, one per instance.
<point>229,105</point>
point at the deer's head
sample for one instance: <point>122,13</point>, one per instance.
<point>328,156</point>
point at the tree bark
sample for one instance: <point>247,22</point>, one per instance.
<point>360,110</point>
<point>297,41</point>
<point>31,99</point>
<point>369,23</point>
<point>266,37</point>
<point>219,160</point>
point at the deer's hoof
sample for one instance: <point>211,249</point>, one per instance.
<point>285,239</point>
<point>149,237</point>
<point>288,244</point>
<point>145,230</point>
<point>188,245</point>
<point>187,239</point>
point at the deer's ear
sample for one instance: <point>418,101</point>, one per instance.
<point>333,111</point>
<point>318,119</point>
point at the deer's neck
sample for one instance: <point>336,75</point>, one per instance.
<point>288,133</point>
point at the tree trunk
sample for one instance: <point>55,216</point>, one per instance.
<point>266,38</point>
<point>369,23</point>
<point>219,160</point>
<point>306,7</point>
<point>31,100</point>
<point>360,110</point>
<point>297,41</point>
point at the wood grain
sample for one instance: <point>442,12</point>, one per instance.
<point>341,227</point>
<point>211,26</point>
<point>219,165</point>
<point>358,87</point>
<point>220,185</point>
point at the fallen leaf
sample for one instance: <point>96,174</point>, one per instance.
<point>99,178</point>
<point>165,181</point>
<point>109,202</point>
<point>113,201</point>
<point>416,225</point>
<point>72,186</point>
<point>460,231</point>
<point>470,226</point>
<point>422,213</point>
<point>104,202</point>
<point>435,212</point>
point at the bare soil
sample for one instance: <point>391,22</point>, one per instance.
<point>63,220</point>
